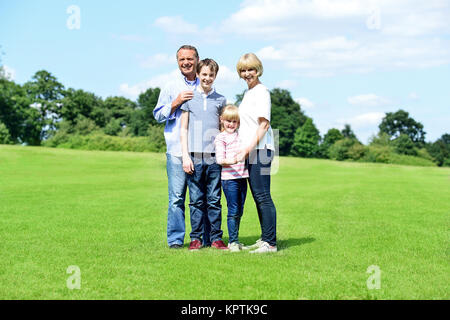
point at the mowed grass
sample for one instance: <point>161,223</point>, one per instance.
<point>106,212</point>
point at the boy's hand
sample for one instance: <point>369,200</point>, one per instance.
<point>188,165</point>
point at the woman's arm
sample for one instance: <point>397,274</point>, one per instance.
<point>188,166</point>
<point>263,127</point>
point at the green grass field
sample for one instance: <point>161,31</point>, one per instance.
<point>105,212</point>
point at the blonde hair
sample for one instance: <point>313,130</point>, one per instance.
<point>250,61</point>
<point>230,112</point>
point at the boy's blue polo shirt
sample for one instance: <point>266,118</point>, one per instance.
<point>204,111</point>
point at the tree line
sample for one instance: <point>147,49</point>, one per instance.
<point>43,112</point>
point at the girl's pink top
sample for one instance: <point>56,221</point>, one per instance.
<point>227,147</point>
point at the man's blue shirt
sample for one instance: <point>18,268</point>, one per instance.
<point>162,111</point>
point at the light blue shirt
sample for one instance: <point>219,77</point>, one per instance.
<point>173,121</point>
<point>204,111</point>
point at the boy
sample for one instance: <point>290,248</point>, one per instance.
<point>199,127</point>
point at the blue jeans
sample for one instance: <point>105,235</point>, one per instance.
<point>259,164</point>
<point>204,195</point>
<point>235,191</point>
<point>177,195</point>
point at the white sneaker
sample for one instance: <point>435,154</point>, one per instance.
<point>235,247</point>
<point>257,245</point>
<point>264,248</point>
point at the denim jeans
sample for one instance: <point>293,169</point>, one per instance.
<point>235,191</point>
<point>177,195</point>
<point>259,164</point>
<point>204,198</point>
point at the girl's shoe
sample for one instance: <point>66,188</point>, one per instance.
<point>258,244</point>
<point>264,248</point>
<point>235,247</point>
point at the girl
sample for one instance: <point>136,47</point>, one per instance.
<point>234,173</point>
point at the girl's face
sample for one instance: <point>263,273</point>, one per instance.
<point>230,126</point>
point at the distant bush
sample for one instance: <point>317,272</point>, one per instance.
<point>103,142</point>
<point>410,160</point>
<point>346,149</point>
<point>377,153</point>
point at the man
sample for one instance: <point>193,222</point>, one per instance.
<point>171,97</point>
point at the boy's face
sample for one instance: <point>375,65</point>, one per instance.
<point>207,77</point>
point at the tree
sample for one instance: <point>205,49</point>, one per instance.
<point>143,116</point>
<point>5,137</point>
<point>23,122</point>
<point>440,150</point>
<point>404,145</point>
<point>287,117</point>
<point>118,111</point>
<point>306,140</point>
<point>347,132</point>
<point>397,123</point>
<point>329,139</point>
<point>78,104</point>
<point>46,95</point>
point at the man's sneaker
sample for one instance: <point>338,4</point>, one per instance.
<point>264,248</point>
<point>258,244</point>
<point>219,245</point>
<point>195,245</point>
<point>235,247</point>
<point>176,246</point>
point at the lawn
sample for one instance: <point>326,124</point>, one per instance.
<point>105,213</point>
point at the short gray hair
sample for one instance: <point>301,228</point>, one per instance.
<point>188,47</point>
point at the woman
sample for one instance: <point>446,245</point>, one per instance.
<point>257,136</point>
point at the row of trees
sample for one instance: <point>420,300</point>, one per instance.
<point>43,111</point>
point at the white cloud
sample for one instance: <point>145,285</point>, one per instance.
<point>133,91</point>
<point>156,60</point>
<point>364,120</point>
<point>226,77</point>
<point>338,55</point>
<point>286,84</point>
<point>367,100</point>
<point>305,103</point>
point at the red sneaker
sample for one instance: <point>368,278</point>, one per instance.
<point>219,245</point>
<point>195,245</point>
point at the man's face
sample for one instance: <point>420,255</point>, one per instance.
<point>187,62</point>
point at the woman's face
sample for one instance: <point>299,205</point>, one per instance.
<point>250,76</point>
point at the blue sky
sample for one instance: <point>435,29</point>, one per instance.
<point>347,61</point>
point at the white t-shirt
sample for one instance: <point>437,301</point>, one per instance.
<point>255,104</point>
